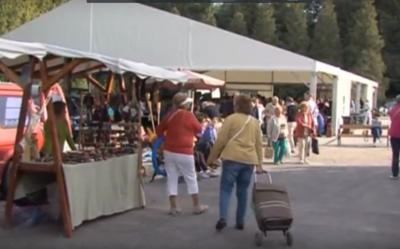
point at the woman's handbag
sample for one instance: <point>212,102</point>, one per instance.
<point>268,152</point>
<point>315,146</point>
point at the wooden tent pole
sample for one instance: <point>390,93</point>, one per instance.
<point>122,88</point>
<point>95,82</point>
<point>65,211</point>
<point>139,84</point>
<point>10,74</point>
<point>150,106</point>
<point>67,68</point>
<point>13,178</point>
<point>110,84</point>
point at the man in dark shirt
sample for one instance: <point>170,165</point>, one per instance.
<point>291,112</point>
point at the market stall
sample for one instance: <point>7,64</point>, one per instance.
<point>97,180</point>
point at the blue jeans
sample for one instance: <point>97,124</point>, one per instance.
<point>241,174</point>
<point>376,133</point>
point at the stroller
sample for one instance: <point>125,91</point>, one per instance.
<point>271,208</point>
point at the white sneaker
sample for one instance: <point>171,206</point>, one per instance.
<point>394,177</point>
<point>212,173</point>
<point>203,175</point>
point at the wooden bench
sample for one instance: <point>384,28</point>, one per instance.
<point>347,130</point>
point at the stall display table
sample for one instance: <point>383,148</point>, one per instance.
<point>103,188</point>
<point>93,189</point>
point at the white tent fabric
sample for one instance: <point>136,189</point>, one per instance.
<point>138,32</point>
<point>141,33</point>
<point>13,49</point>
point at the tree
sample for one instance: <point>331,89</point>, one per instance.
<point>249,11</point>
<point>293,29</point>
<point>224,15</point>
<point>202,12</point>
<point>264,26</point>
<point>389,22</point>
<point>170,7</point>
<point>15,13</point>
<point>325,45</point>
<point>238,24</point>
<point>363,52</point>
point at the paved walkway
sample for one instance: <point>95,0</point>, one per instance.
<point>353,207</point>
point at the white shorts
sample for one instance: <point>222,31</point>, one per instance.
<point>177,164</point>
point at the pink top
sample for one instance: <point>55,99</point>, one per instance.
<point>394,114</point>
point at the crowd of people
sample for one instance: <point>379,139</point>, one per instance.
<point>230,134</point>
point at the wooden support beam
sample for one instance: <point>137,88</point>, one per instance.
<point>122,88</point>
<point>18,66</point>
<point>57,157</point>
<point>10,74</point>
<point>77,73</point>
<point>27,71</point>
<point>141,170</point>
<point>13,178</point>
<point>95,82</point>
<point>110,84</point>
<point>67,68</point>
<point>87,70</point>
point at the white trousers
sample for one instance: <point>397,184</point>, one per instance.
<point>177,164</point>
<point>291,128</point>
<point>304,147</point>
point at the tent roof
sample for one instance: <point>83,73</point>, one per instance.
<point>16,50</point>
<point>141,33</point>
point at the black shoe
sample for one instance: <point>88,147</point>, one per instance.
<point>221,224</point>
<point>239,226</point>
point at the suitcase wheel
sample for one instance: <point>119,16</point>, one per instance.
<point>289,238</point>
<point>258,239</point>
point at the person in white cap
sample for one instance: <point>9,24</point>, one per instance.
<point>180,127</point>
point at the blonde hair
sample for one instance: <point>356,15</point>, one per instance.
<point>303,104</point>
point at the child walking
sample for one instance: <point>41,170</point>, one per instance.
<point>277,131</point>
<point>376,127</point>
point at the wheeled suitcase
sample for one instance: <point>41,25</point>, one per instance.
<point>272,208</point>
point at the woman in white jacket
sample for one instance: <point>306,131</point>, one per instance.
<point>277,132</point>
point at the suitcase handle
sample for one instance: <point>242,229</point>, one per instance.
<point>263,173</point>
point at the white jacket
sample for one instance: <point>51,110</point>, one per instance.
<point>277,126</point>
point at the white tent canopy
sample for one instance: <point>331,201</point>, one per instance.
<point>138,32</point>
<point>13,50</point>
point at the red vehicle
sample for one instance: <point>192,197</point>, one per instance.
<point>10,105</point>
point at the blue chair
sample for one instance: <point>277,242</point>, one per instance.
<point>158,169</point>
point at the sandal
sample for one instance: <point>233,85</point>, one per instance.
<point>200,209</point>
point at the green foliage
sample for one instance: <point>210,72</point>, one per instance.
<point>325,45</point>
<point>202,12</point>
<point>249,11</point>
<point>363,52</point>
<point>388,11</point>
<point>14,13</point>
<point>264,26</point>
<point>225,14</point>
<point>238,24</point>
<point>293,29</point>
